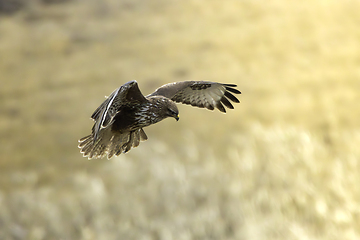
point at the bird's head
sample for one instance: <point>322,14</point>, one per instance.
<point>165,107</point>
<point>172,110</point>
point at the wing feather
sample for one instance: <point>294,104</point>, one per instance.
<point>220,107</point>
<point>104,115</point>
<point>203,94</point>
<point>233,90</point>
<point>231,97</point>
<point>210,102</point>
<point>226,103</point>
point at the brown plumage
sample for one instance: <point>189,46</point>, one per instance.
<point>120,119</point>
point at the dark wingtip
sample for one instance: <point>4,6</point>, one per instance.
<point>226,102</point>
<point>231,97</point>
<point>233,90</point>
<point>230,85</point>
<point>220,107</point>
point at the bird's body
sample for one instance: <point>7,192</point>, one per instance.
<point>120,119</point>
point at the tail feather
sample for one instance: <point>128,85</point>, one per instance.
<point>136,141</point>
<point>127,146</point>
<point>117,144</point>
<point>142,135</point>
<point>84,141</point>
<point>110,143</point>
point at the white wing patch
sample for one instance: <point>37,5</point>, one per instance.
<point>100,124</point>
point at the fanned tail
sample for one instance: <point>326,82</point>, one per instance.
<point>110,143</point>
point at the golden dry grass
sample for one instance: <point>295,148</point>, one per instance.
<point>283,165</point>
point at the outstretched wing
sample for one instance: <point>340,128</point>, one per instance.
<point>129,93</point>
<point>201,94</point>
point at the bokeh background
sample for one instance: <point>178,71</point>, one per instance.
<point>283,165</point>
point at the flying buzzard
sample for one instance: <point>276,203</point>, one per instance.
<point>120,119</point>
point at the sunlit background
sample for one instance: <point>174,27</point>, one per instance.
<point>284,164</point>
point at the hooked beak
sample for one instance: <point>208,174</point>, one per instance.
<point>177,118</point>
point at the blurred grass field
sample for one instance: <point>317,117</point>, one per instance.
<point>283,165</point>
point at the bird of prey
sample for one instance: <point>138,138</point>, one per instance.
<point>120,119</point>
